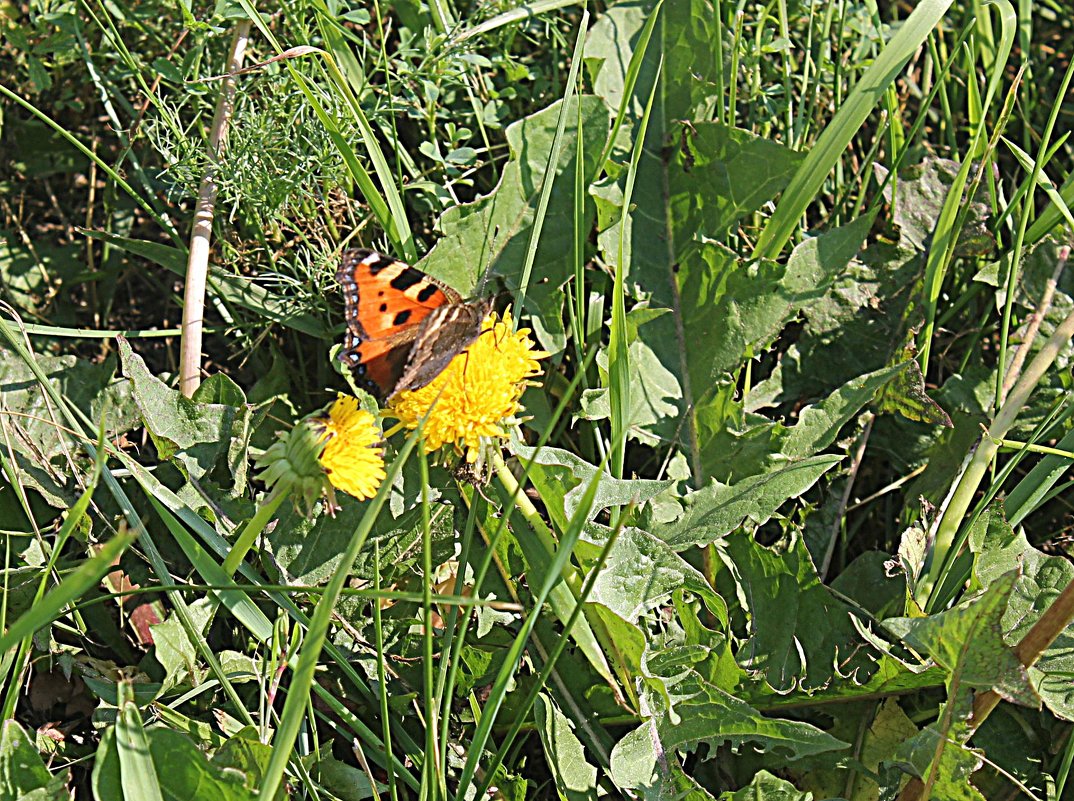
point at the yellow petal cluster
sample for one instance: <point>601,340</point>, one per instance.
<point>352,456</point>
<point>477,395</point>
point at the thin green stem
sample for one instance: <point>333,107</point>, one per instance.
<point>252,530</point>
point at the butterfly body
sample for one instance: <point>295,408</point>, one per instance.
<point>403,327</point>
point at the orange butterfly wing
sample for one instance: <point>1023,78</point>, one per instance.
<point>403,327</point>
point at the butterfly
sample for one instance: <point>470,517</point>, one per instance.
<point>403,326</point>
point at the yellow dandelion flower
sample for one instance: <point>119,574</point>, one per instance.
<point>477,395</point>
<point>352,457</point>
<point>318,454</point>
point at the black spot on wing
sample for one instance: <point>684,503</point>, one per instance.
<point>407,278</point>
<point>378,262</point>
<point>401,317</point>
<point>427,293</point>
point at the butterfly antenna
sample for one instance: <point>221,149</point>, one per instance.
<point>479,290</point>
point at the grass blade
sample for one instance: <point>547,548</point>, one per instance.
<point>298,693</point>
<point>138,775</point>
<point>75,585</point>
<point>833,141</point>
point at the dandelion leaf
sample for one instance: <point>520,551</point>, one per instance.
<point>575,778</point>
<point>800,635</point>
<point>46,458</point>
<point>562,479</point>
<point>23,775</point>
<point>997,550</point>
<point>207,440</point>
<point>183,772</point>
<point>641,572</point>
<point>714,511</point>
<point>493,232</point>
<point>967,641</point>
<point>766,787</point>
<point>687,710</point>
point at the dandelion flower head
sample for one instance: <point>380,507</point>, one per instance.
<point>352,456</point>
<point>477,395</point>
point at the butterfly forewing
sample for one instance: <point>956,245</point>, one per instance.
<point>383,294</point>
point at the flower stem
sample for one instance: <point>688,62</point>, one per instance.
<point>971,479</point>
<point>252,530</point>
<point>533,517</point>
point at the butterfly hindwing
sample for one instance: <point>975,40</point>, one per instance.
<point>446,333</point>
<point>403,327</point>
<point>377,363</point>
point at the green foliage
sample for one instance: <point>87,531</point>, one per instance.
<point>780,269</point>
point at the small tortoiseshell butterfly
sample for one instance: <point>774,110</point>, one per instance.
<point>403,327</point>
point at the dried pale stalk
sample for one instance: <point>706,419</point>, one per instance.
<point>197,265</point>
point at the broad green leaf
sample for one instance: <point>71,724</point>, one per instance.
<point>998,549</point>
<point>859,324</point>
<point>199,436</point>
<point>641,572</point>
<point>42,452</point>
<point>738,307</point>
<point>345,782</point>
<point>905,395</point>
<point>721,669</point>
<point>697,180</point>
<point>918,200</point>
<point>766,787</point>
<point>635,766</point>
<point>28,273</point>
<point>754,444</point>
<point>628,638</point>
<point>174,650</point>
<point>967,641</point>
<point>798,630</point>
<point>740,310</point>
<point>888,729</point>
<point>705,713</point>
<point>718,509</point>
<point>820,423</point>
<point>306,549</point>
<point>244,752</point>
<point>688,710</point>
<point>696,177</point>
<point>950,779</point>
<point>575,778</point>
<point>653,415</point>
<point>492,233</point>
<point>218,388</point>
<point>182,771</point>
<point>23,775</point>
<point>562,478</point>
